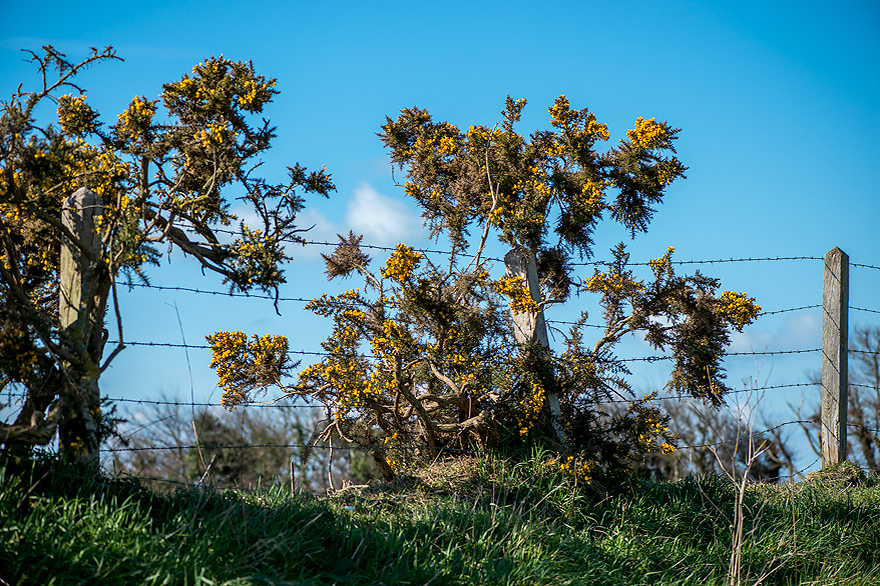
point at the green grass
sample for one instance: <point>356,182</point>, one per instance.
<point>487,521</point>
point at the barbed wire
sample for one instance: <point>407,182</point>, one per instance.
<point>307,446</point>
<point>206,347</point>
<point>789,309</point>
<point>752,433</point>
<point>220,293</point>
<point>709,261</point>
<point>198,404</point>
<point>773,352</point>
<point>445,252</point>
<point>392,249</point>
<point>863,309</point>
<point>572,323</point>
<point>866,387</point>
<point>864,266</point>
<point>367,357</point>
<point>386,447</point>
<point>870,429</point>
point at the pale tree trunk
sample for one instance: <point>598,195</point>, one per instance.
<point>530,327</point>
<point>83,293</point>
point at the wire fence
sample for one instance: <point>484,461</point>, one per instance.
<point>305,352</point>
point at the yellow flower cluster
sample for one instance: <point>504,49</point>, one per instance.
<point>447,145</point>
<point>350,382</point>
<point>256,94</point>
<point>560,112</point>
<point>238,363</point>
<point>595,129</point>
<point>661,265</point>
<point>401,264</point>
<point>136,120</point>
<point>649,134</point>
<point>614,283</point>
<point>654,428</point>
<point>738,309</point>
<point>517,289</point>
<point>228,350</point>
<point>573,467</point>
<point>75,116</point>
<point>385,345</point>
<point>531,406</point>
<point>669,170</point>
<point>214,135</point>
<point>592,197</point>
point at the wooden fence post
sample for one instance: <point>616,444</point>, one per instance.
<point>78,431</point>
<point>530,327</point>
<point>835,384</point>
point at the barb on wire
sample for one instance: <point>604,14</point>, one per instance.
<point>855,264</point>
<point>863,309</point>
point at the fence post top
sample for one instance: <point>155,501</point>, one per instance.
<point>835,252</point>
<point>82,197</point>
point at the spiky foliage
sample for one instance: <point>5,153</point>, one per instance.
<point>443,365</point>
<point>160,178</point>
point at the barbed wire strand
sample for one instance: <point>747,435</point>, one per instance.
<point>308,446</point>
<point>367,357</point>
<point>754,433</point>
<point>221,293</point>
<point>198,404</point>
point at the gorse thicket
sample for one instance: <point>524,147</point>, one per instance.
<point>163,172</point>
<point>444,356</point>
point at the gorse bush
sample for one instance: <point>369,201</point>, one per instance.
<point>443,355</point>
<point>158,174</point>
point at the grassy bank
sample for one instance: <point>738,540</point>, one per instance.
<point>485,521</point>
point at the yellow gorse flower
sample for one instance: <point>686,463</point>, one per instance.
<point>649,134</point>
<point>401,264</point>
<point>738,309</point>
<point>75,116</point>
<point>517,289</point>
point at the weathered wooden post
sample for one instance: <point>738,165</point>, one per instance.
<point>835,307</point>
<point>78,320</point>
<point>530,327</point>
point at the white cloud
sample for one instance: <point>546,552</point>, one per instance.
<point>799,331</point>
<point>380,219</point>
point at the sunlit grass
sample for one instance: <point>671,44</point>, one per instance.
<point>481,521</point>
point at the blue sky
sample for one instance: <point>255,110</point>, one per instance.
<point>777,102</point>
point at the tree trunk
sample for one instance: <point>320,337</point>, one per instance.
<point>530,328</point>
